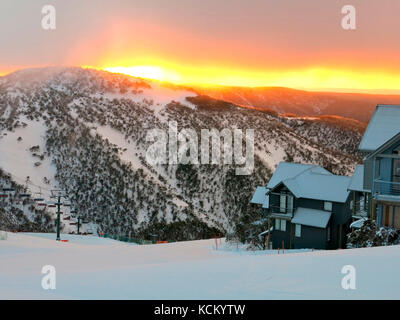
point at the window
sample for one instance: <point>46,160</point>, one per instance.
<point>290,204</point>
<point>283,203</point>
<point>387,215</point>
<point>327,206</point>
<point>286,203</point>
<point>277,224</point>
<point>283,225</point>
<point>280,224</point>
<point>377,169</point>
<point>328,234</point>
<point>396,217</point>
<point>298,230</point>
<point>391,216</point>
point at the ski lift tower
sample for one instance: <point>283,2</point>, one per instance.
<point>58,195</point>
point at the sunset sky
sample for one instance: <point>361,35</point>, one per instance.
<point>291,43</point>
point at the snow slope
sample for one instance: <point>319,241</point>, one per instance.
<point>17,159</point>
<point>85,132</point>
<point>95,268</point>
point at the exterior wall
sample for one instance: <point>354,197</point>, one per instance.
<point>392,212</point>
<point>280,238</point>
<point>384,172</point>
<point>310,238</point>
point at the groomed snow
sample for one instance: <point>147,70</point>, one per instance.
<point>94,268</point>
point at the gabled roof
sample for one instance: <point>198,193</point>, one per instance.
<point>384,124</point>
<point>286,170</point>
<point>311,217</point>
<point>386,145</point>
<point>317,183</point>
<point>260,195</point>
<point>357,180</point>
<point>266,202</point>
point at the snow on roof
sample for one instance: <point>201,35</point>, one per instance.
<point>358,223</point>
<point>266,202</point>
<point>287,170</point>
<point>383,125</point>
<point>259,196</point>
<point>388,144</point>
<point>357,180</point>
<point>311,217</point>
<point>319,184</point>
<point>266,231</point>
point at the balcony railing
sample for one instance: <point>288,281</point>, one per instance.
<point>278,211</point>
<point>387,189</point>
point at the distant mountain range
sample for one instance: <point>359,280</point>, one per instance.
<point>356,106</point>
<point>84,131</point>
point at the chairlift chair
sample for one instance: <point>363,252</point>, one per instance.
<point>38,196</point>
<point>24,195</point>
<point>51,204</point>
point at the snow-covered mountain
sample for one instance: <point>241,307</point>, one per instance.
<point>357,106</point>
<point>84,131</point>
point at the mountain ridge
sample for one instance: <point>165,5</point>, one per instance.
<point>84,131</point>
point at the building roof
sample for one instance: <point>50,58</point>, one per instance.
<point>357,180</point>
<point>383,125</point>
<point>286,170</point>
<point>386,145</point>
<point>266,202</point>
<point>319,184</point>
<point>311,217</point>
<point>259,196</point>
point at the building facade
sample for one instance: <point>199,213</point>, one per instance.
<point>375,185</point>
<point>306,207</point>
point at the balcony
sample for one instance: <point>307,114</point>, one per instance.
<point>386,190</point>
<point>278,212</point>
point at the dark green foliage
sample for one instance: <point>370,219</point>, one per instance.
<point>370,235</point>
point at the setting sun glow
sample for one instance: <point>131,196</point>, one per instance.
<point>147,72</point>
<point>315,79</point>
